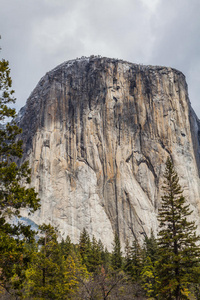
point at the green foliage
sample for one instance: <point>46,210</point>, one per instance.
<point>92,252</point>
<point>95,257</point>
<point>136,261</point>
<point>51,275</point>
<point>14,194</point>
<point>66,246</point>
<point>128,258</point>
<point>41,275</point>
<point>85,247</point>
<point>151,248</point>
<point>150,278</point>
<point>106,258</point>
<point>14,258</point>
<point>177,240</point>
<point>6,91</point>
<point>116,258</point>
<point>73,274</point>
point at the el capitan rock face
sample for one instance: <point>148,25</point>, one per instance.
<point>97,133</point>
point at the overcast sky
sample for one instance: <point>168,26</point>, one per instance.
<point>37,35</point>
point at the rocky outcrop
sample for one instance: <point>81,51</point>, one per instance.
<point>97,133</point>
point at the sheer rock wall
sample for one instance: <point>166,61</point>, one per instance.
<point>97,133</point>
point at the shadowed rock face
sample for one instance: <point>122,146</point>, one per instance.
<point>97,133</point>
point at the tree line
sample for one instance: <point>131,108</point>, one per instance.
<point>164,267</point>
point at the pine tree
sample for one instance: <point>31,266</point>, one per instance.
<point>75,273</point>
<point>50,274</point>
<point>151,248</point>
<point>149,274</point>
<point>136,261</point>
<point>116,258</point>
<point>45,274</point>
<point>66,246</point>
<point>128,259</point>
<point>177,240</point>
<point>14,194</point>
<point>95,259</point>
<point>149,278</point>
<point>85,247</point>
<point>106,258</point>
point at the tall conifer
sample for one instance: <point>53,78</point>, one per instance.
<point>14,193</point>
<point>116,258</point>
<point>85,247</point>
<point>178,251</point>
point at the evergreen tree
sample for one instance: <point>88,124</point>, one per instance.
<point>149,278</point>
<point>106,258</point>
<point>66,246</point>
<point>116,258</point>
<point>151,248</point>
<point>75,273</point>
<point>14,194</point>
<point>178,251</point>
<point>44,275</point>
<point>95,259</point>
<point>51,275</point>
<point>136,261</point>
<point>85,247</point>
<point>128,259</point>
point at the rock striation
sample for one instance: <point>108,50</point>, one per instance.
<point>97,132</point>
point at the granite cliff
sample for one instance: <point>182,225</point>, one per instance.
<point>97,132</point>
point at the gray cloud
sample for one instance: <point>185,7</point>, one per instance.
<point>177,41</point>
<point>37,35</point>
